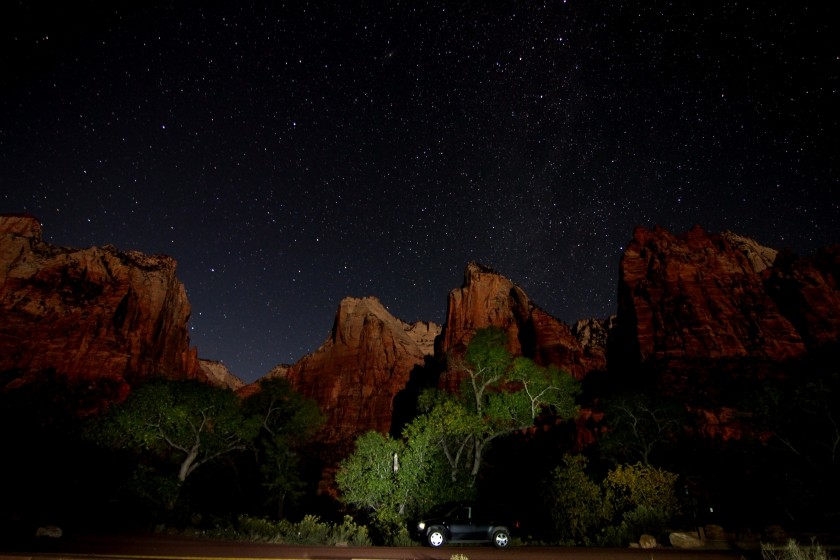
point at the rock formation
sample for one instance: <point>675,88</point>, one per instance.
<point>805,290</point>
<point>356,374</point>
<point>89,316</point>
<point>488,299</point>
<point>218,374</point>
<point>711,317</point>
<point>696,296</point>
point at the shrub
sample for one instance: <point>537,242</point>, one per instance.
<point>577,502</point>
<point>792,551</point>
<point>310,530</point>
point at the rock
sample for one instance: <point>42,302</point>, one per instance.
<point>775,533</point>
<point>806,291</point>
<point>696,297</point>
<point>218,374</point>
<point>647,541</point>
<point>89,315</point>
<point>356,374</point>
<point>759,256</point>
<point>715,532</point>
<point>681,539</point>
<point>49,531</point>
<point>488,299</point>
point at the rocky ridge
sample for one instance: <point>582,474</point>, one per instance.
<point>89,315</point>
<point>488,299</point>
<point>356,374</point>
<point>218,374</point>
<point>694,309</point>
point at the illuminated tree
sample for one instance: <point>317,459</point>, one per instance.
<point>178,426</point>
<point>499,395</point>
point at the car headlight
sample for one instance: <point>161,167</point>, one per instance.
<point>421,525</point>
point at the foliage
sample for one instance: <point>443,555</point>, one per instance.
<point>638,425</point>
<point>286,420</point>
<point>440,452</point>
<point>793,551</point>
<point>179,426</point>
<point>392,479</point>
<point>499,395</point>
<point>577,503</point>
<point>308,531</point>
<point>632,486</point>
<point>629,501</point>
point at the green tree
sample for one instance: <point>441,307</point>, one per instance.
<point>286,421</point>
<point>179,426</point>
<point>498,395</point>
<point>638,485</point>
<point>576,502</point>
<point>393,479</point>
<point>639,425</point>
<point>629,501</point>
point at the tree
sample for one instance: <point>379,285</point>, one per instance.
<point>499,395</point>
<point>639,425</point>
<point>179,426</point>
<point>630,501</point>
<point>393,479</point>
<point>576,502</point>
<point>286,421</point>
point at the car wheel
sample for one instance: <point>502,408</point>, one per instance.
<point>435,538</point>
<point>501,539</point>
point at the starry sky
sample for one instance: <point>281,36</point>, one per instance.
<point>289,154</point>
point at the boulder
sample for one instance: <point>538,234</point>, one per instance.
<point>647,541</point>
<point>681,539</point>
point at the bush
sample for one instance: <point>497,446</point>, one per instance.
<point>310,530</point>
<point>792,551</point>
<point>577,502</point>
<point>630,501</point>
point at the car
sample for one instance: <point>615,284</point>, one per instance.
<point>463,523</point>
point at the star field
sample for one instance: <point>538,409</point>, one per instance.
<point>289,155</point>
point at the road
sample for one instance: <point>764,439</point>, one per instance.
<point>153,547</point>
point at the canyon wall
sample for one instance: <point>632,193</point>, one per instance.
<point>357,373</point>
<point>99,315</point>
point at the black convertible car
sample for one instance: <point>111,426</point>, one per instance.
<point>463,523</point>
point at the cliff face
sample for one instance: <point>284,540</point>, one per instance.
<point>488,299</point>
<point>356,374</point>
<point>88,315</point>
<point>218,374</point>
<point>696,296</point>
<point>805,290</point>
<point>713,316</point>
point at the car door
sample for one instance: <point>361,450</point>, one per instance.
<point>460,524</point>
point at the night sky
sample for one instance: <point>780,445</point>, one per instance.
<point>290,155</point>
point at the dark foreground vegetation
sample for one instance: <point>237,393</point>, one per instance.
<point>596,464</point>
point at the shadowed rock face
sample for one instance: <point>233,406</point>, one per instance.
<point>805,289</point>
<point>90,314</point>
<point>696,296</point>
<point>711,316</point>
<point>488,299</point>
<point>355,375</point>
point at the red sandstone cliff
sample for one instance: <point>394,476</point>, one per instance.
<point>356,374</point>
<point>696,296</point>
<point>488,299</point>
<point>711,315</point>
<point>88,315</point>
<point>805,289</point>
